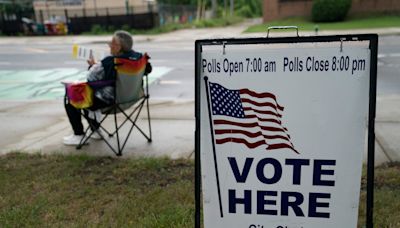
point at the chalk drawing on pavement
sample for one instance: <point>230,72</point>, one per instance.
<point>46,84</point>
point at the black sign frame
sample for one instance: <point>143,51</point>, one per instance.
<point>373,46</point>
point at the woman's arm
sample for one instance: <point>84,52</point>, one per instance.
<point>96,73</point>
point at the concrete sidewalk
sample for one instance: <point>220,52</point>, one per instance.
<point>33,128</point>
<point>387,129</point>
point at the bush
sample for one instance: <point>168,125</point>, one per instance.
<point>217,22</point>
<point>126,27</point>
<point>330,10</point>
<point>97,29</point>
<point>245,11</point>
<point>248,8</point>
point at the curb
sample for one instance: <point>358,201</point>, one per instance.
<point>186,34</point>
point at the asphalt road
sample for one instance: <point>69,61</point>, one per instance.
<point>26,65</point>
<point>389,65</point>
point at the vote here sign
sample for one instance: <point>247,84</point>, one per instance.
<point>282,135</point>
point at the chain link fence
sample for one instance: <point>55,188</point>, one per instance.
<point>77,20</point>
<point>176,13</point>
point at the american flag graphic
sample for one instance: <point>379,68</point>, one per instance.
<point>247,117</point>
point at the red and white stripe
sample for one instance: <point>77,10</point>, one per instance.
<point>262,125</point>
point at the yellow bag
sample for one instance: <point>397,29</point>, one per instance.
<point>80,95</point>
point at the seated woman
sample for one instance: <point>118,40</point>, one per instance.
<point>121,47</point>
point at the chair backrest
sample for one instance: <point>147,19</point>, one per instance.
<point>129,82</point>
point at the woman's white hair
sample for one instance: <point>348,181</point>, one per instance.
<point>125,39</point>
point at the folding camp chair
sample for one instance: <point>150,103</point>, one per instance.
<point>129,91</point>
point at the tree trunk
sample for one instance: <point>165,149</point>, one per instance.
<point>199,6</point>
<point>225,8</point>
<point>232,7</point>
<point>214,7</point>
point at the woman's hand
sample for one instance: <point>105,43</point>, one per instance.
<point>91,61</point>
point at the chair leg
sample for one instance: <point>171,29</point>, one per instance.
<point>147,104</point>
<point>116,130</point>
<point>104,129</point>
<point>148,117</point>
<point>132,118</point>
<point>138,110</point>
<point>84,139</point>
<point>86,136</point>
<point>128,117</point>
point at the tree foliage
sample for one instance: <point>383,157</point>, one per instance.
<point>330,10</point>
<point>178,2</point>
<point>244,8</point>
<point>248,8</point>
<point>18,8</point>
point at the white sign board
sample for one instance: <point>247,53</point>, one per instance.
<point>85,53</point>
<point>282,135</point>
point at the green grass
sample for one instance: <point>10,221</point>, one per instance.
<point>386,196</point>
<point>217,22</point>
<point>83,191</point>
<point>100,30</point>
<point>169,27</point>
<point>304,24</point>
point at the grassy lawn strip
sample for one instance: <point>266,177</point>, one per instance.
<point>82,191</point>
<point>386,196</point>
<point>304,24</point>
<point>169,27</point>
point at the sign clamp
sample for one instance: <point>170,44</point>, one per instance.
<point>283,27</point>
<point>341,44</point>
<point>223,47</point>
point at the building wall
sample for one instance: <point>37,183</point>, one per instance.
<point>79,8</point>
<point>277,9</point>
<point>365,6</point>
